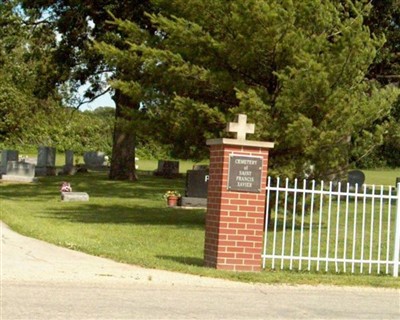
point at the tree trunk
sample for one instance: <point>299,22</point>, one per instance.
<point>123,150</point>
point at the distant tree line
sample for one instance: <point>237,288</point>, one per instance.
<point>319,78</point>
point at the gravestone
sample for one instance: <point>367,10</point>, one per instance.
<point>167,168</point>
<point>397,181</point>
<point>95,160</point>
<point>19,172</point>
<point>197,183</point>
<point>69,158</point>
<point>356,177</point>
<point>196,188</point>
<point>7,155</point>
<point>46,162</point>
<point>201,167</point>
<point>69,168</point>
<point>74,196</point>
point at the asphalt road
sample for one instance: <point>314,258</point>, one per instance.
<point>42,281</point>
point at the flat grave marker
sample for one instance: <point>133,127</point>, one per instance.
<point>74,196</point>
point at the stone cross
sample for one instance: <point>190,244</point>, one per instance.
<point>241,127</point>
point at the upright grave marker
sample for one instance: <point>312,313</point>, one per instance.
<point>7,155</point>
<point>356,177</point>
<point>167,168</point>
<point>196,188</point>
<point>19,172</point>
<point>69,168</point>
<point>46,162</point>
<point>236,200</point>
<point>95,160</point>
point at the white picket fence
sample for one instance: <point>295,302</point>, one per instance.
<point>327,227</point>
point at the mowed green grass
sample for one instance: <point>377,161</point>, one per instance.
<point>129,222</point>
<point>385,177</point>
<point>350,233</point>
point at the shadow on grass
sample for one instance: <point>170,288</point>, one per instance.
<point>114,202</point>
<point>96,184</point>
<point>191,261</point>
<point>120,214</point>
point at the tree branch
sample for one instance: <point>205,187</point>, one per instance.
<point>83,101</point>
<point>36,23</point>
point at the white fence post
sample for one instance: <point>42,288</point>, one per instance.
<point>396,254</point>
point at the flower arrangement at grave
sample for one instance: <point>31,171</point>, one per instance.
<point>172,197</point>
<point>66,187</point>
<point>172,193</point>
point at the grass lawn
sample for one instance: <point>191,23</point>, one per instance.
<point>349,231</point>
<point>382,176</point>
<point>129,222</point>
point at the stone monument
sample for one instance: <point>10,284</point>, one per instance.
<point>19,172</point>
<point>356,177</point>
<point>95,160</point>
<point>196,188</point>
<point>69,168</point>
<point>46,163</point>
<point>7,155</point>
<point>167,168</point>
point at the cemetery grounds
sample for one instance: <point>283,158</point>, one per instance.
<point>130,222</point>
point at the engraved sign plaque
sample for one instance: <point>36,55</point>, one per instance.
<point>244,173</point>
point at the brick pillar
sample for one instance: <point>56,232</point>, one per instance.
<point>234,219</point>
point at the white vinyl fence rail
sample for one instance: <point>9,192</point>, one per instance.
<point>327,227</point>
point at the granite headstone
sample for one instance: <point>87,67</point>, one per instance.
<point>167,168</point>
<point>7,155</point>
<point>197,183</point>
<point>19,172</point>
<point>356,177</point>
<point>95,160</point>
<point>46,163</point>
<point>69,168</point>
<point>196,188</point>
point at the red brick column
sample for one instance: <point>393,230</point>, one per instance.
<point>234,220</point>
